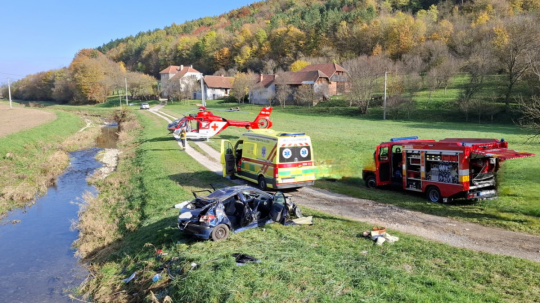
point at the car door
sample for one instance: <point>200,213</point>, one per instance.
<point>382,161</point>
<point>278,208</point>
<point>228,160</point>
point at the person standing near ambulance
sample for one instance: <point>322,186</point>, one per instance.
<point>183,137</point>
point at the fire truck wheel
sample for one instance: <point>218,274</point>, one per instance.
<point>262,183</point>
<point>371,182</point>
<point>433,194</point>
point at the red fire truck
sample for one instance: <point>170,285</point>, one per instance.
<point>444,170</point>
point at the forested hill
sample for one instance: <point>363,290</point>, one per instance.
<point>286,30</point>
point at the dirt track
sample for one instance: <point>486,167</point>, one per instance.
<point>18,119</point>
<point>441,229</point>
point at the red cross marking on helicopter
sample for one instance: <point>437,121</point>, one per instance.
<point>214,126</point>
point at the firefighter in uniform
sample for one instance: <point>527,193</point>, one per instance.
<point>183,137</point>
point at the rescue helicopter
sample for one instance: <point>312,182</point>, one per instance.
<point>205,124</point>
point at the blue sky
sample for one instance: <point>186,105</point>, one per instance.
<point>40,35</point>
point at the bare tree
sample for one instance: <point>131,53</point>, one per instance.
<point>478,66</point>
<point>283,89</point>
<point>530,115</point>
<point>513,44</point>
<point>364,72</point>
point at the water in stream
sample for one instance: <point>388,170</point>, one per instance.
<point>37,263</point>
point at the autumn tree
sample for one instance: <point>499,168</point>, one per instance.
<point>141,85</point>
<point>298,65</point>
<point>242,83</point>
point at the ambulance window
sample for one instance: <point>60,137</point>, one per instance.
<point>383,153</point>
<point>294,154</point>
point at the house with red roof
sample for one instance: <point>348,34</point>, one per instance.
<point>216,87</point>
<point>264,90</point>
<point>175,78</point>
<point>339,77</point>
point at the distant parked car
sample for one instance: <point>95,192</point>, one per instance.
<point>145,106</point>
<point>235,209</point>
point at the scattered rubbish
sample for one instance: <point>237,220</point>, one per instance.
<point>390,239</point>
<point>378,230</point>
<point>242,259</point>
<point>379,235</point>
<point>160,253</point>
<point>156,278</point>
<point>364,252</point>
<point>130,278</point>
<point>303,221</point>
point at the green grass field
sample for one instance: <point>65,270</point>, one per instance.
<point>351,139</point>
<point>326,262</point>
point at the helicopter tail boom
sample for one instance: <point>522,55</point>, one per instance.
<point>261,122</point>
<point>263,119</point>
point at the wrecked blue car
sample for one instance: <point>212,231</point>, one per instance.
<point>233,209</point>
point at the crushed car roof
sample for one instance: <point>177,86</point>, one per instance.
<point>227,191</point>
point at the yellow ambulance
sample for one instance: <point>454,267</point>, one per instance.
<point>272,159</point>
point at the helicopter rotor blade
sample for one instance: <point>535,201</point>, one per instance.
<point>230,110</point>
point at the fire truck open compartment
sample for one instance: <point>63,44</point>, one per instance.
<point>446,169</point>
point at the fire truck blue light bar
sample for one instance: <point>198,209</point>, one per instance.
<point>404,138</point>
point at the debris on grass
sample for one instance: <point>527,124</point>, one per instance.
<point>379,235</point>
<point>242,259</point>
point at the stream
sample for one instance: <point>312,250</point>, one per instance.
<point>37,263</point>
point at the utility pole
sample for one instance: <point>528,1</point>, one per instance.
<point>127,104</point>
<point>202,90</point>
<point>384,103</point>
<point>9,92</point>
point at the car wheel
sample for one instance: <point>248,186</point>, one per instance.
<point>433,194</point>
<point>298,212</point>
<point>262,183</point>
<point>371,182</point>
<point>233,177</point>
<point>220,233</point>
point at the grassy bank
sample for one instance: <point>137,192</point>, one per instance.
<point>351,140</point>
<point>326,262</point>
<point>32,159</point>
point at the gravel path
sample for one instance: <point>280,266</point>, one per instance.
<point>441,229</point>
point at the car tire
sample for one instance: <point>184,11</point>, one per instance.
<point>434,194</point>
<point>371,182</point>
<point>262,183</point>
<point>233,176</point>
<point>220,233</point>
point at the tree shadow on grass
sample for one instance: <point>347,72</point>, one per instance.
<point>158,139</point>
<point>201,179</point>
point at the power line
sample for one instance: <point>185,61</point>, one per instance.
<point>12,74</point>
